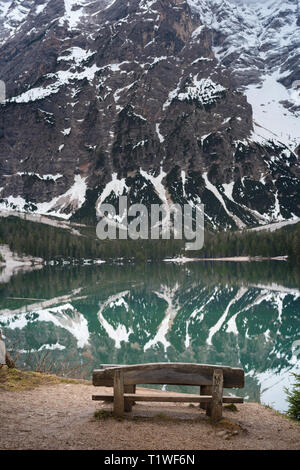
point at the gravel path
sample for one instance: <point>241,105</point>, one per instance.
<point>62,417</point>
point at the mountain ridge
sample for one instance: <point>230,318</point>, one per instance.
<point>145,99</point>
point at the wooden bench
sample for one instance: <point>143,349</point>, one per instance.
<point>211,379</point>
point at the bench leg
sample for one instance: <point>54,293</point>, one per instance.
<point>128,405</point>
<point>205,390</point>
<point>119,405</point>
<point>217,396</point>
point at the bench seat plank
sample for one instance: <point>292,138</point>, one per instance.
<point>188,398</point>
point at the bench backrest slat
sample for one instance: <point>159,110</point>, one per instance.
<point>169,374</point>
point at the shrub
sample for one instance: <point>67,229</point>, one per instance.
<point>294,399</point>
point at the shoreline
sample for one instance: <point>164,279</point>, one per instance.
<point>236,259</point>
<point>14,263</point>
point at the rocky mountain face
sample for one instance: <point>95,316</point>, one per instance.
<point>165,100</point>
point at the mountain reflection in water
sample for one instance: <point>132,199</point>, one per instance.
<point>239,314</point>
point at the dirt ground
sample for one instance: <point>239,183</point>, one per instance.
<point>61,416</point>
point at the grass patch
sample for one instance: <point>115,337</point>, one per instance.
<point>102,414</point>
<point>15,380</point>
<point>229,425</point>
<point>155,418</point>
<point>163,417</point>
<point>231,407</point>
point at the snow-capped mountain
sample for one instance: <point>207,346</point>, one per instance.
<point>163,100</point>
<point>260,43</point>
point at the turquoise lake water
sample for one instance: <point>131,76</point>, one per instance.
<point>74,318</point>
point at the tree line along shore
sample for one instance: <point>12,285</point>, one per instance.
<point>54,243</point>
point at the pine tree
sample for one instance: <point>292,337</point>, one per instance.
<point>294,399</point>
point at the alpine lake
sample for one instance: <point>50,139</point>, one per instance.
<point>71,319</point>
